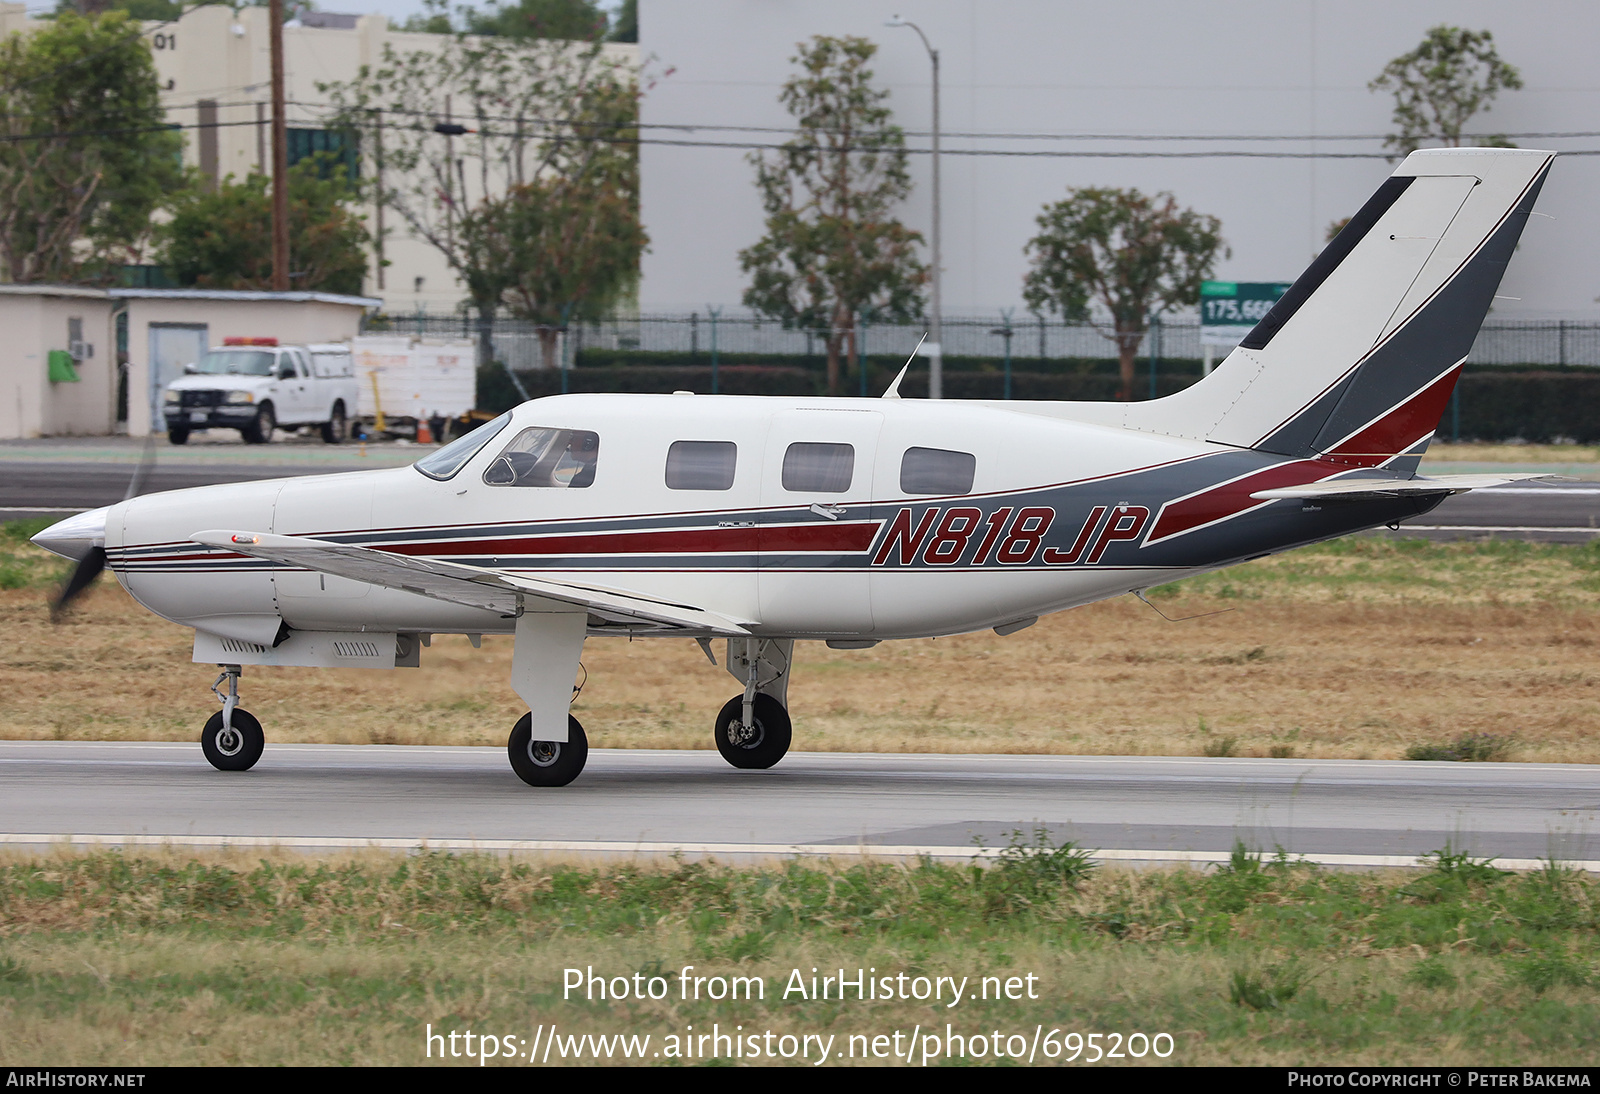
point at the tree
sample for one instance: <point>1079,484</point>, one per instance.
<point>222,238</point>
<point>476,129</point>
<point>831,248</point>
<point>576,20</point>
<point>86,154</point>
<point>1124,252</point>
<point>564,243</point>
<point>1438,87</point>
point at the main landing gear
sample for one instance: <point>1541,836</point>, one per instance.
<point>232,739</point>
<point>753,730</point>
<point>547,763</point>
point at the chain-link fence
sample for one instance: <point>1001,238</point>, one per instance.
<point>696,336</point>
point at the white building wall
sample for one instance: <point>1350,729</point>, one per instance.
<point>1138,67</point>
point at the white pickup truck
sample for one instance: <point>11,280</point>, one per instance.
<point>256,386</point>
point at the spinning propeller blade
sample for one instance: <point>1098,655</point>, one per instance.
<point>82,577</point>
<point>93,560</point>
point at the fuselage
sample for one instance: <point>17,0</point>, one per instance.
<point>810,518</point>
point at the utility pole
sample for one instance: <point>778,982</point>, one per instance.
<point>280,156</point>
<point>935,347</point>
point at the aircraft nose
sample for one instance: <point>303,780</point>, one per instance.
<point>74,537</point>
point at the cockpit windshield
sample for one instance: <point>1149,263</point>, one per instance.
<point>235,362</point>
<point>449,459</point>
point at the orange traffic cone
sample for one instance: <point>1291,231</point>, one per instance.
<point>424,434</point>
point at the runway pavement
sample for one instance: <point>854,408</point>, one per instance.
<point>1133,809</point>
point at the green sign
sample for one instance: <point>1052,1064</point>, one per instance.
<point>1228,309</point>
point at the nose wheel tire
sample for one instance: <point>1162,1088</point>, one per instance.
<point>757,746</point>
<point>547,763</point>
<point>234,749</point>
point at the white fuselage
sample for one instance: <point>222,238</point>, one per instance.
<point>796,562</point>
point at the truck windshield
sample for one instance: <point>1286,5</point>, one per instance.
<point>235,362</point>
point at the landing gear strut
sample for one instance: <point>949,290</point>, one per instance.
<point>753,730</point>
<point>232,739</point>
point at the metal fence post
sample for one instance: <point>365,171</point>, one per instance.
<point>694,335</point>
<point>1155,350</point>
<point>861,351</point>
<point>713,312</point>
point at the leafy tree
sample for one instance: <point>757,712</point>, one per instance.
<point>626,27</point>
<point>565,243</point>
<point>85,155</point>
<point>832,249</point>
<point>575,20</point>
<point>222,238</point>
<point>1438,87</point>
<point>1124,253</point>
<point>533,119</point>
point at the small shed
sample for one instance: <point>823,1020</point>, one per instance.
<point>68,349</point>
<point>169,328</point>
<point>58,361</point>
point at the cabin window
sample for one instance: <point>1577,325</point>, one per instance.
<point>444,463</point>
<point>701,465</point>
<point>818,468</point>
<point>559,458</point>
<point>936,471</point>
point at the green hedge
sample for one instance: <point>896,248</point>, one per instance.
<point>1495,404</point>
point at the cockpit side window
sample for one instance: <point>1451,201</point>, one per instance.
<point>545,457</point>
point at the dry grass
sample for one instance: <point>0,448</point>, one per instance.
<point>1513,453</point>
<point>1365,648</point>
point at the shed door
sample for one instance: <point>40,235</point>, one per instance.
<point>172,345</point>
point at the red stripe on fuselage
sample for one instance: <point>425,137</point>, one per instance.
<point>1234,497</point>
<point>848,538</point>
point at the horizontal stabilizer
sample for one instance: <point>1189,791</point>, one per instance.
<point>472,586</point>
<point>1373,489</point>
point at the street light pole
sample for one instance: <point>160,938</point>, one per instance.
<point>935,347</point>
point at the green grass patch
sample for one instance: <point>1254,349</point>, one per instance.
<point>24,566</point>
<point>113,958</point>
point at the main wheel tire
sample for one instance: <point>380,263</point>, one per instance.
<point>765,744</point>
<point>178,436</point>
<point>260,431</point>
<point>547,763</point>
<point>333,430</point>
<point>236,751</point>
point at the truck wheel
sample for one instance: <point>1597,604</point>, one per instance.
<point>260,430</point>
<point>333,430</point>
<point>178,436</point>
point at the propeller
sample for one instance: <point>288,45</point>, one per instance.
<point>92,560</point>
<point>82,576</point>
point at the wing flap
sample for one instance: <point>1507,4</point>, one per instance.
<point>455,583</point>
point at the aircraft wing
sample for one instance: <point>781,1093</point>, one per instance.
<point>473,586</point>
<point>1371,489</point>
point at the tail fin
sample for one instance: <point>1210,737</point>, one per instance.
<point>1357,361</point>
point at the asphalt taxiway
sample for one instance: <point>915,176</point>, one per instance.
<point>1135,809</point>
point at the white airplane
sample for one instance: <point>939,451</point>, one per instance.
<point>765,521</point>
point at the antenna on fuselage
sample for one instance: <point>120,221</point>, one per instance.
<point>894,388</point>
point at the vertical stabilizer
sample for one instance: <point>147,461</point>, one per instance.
<point>1357,361</point>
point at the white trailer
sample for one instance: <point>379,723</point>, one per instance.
<point>413,379</point>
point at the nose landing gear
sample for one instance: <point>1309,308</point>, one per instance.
<point>232,739</point>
